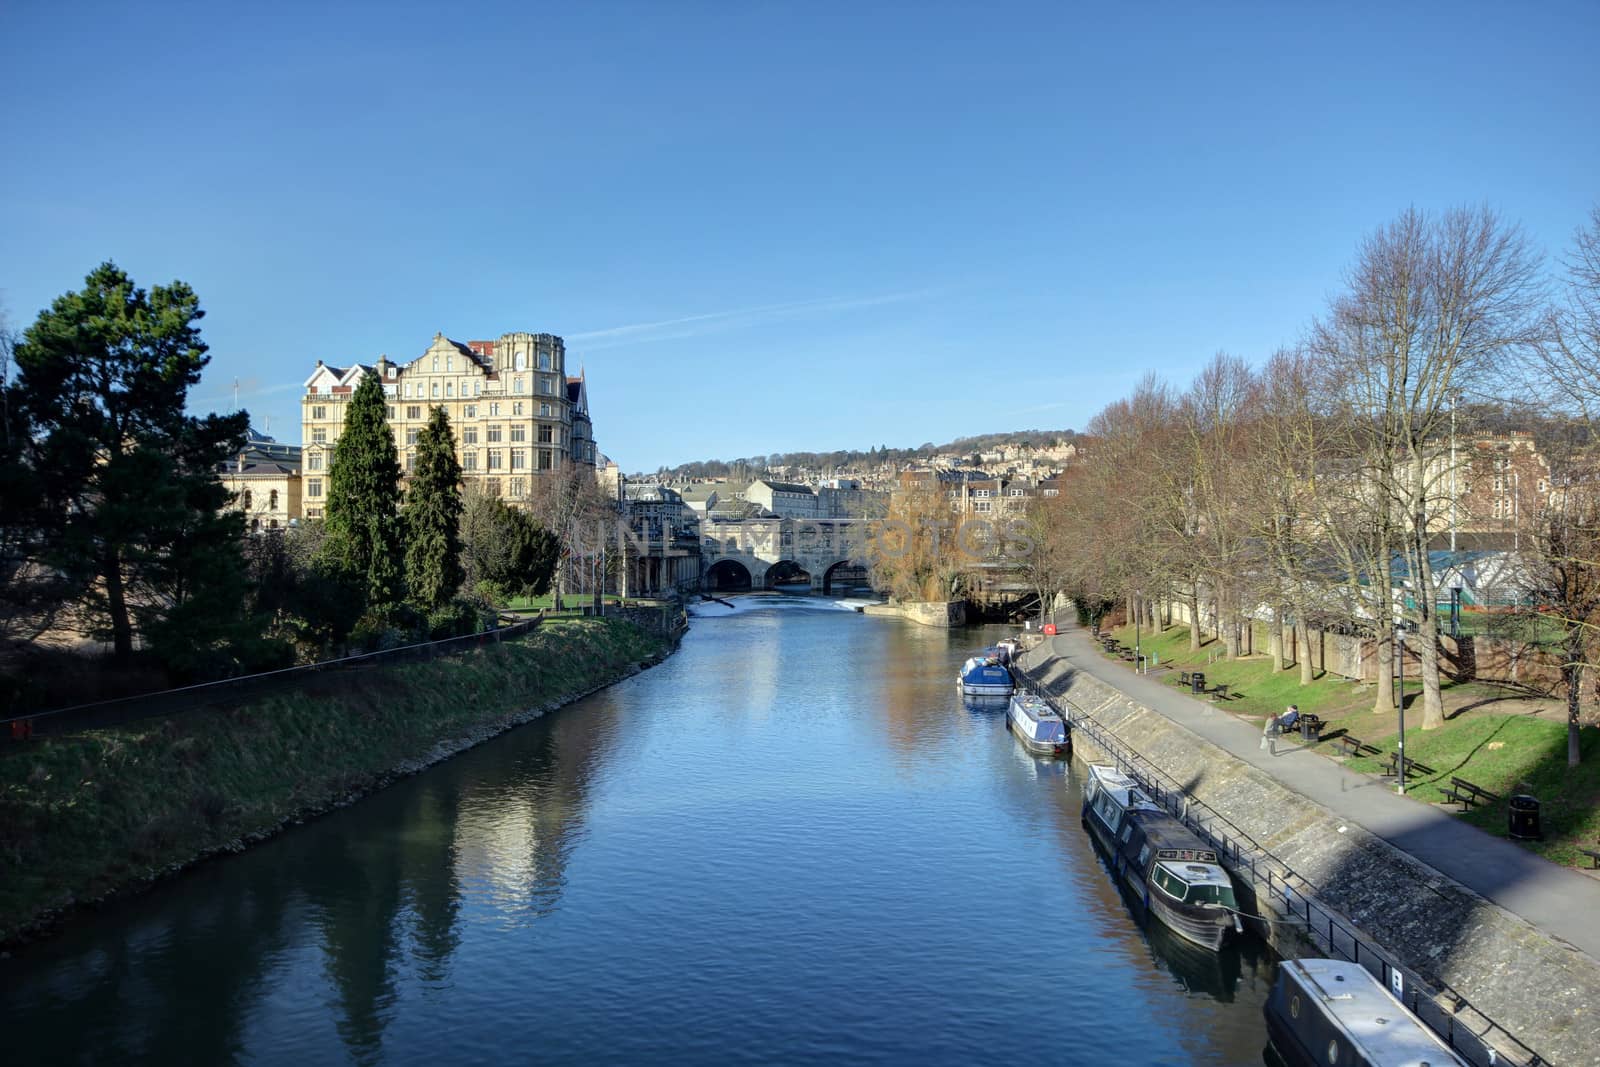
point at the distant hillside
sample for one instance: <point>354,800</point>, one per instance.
<point>847,459</point>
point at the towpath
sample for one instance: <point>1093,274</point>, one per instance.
<point>1561,902</point>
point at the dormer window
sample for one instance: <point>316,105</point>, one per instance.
<point>390,370</point>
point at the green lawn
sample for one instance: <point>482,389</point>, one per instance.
<point>1503,753</point>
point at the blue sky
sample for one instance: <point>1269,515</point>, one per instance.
<point>765,226</point>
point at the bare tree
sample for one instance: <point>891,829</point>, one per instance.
<point>1432,305</point>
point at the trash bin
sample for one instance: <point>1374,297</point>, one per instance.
<point>1525,818</point>
<point>1309,728</point>
<point>1197,682</point>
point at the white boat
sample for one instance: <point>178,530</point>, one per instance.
<point>1038,726</point>
<point>985,676</point>
<point>1334,1011</point>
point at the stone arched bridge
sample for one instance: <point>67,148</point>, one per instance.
<point>769,553</point>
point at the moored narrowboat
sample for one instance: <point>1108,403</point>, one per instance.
<point>1038,726</point>
<point>1334,1011</point>
<point>985,676</point>
<point>1162,863</point>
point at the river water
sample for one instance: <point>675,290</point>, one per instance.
<point>790,842</point>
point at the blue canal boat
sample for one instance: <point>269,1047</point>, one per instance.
<point>1038,726</point>
<point>985,675</point>
<point>1334,1011</point>
<point>1167,868</point>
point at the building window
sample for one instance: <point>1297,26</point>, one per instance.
<point>519,487</point>
<point>516,385</point>
<point>247,503</point>
<point>492,485</point>
<point>414,412</point>
<point>411,436</point>
<point>519,433</point>
<point>496,459</point>
<point>477,388</point>
<point>390,371</point>
<point>449,388</point>
<point>435,392</point>
<point>313,487</point>
<point>520,361</point>
<point>519,459</point>
<point>980,492</point>
<point>450,361</point>
<point>411,461</point>
<point>314,461</point>
<point>388,412</point>
<point>546,435</point>
<point>470,411</point>
<point>980,505</point>
<point>435,362</point>
<point>319,437</point>
<point>319,411</point>
<point>545,460</point>
<point>544,386</point>
<point>272,500</point>
<point>494,409</point>
<point>544,409</point>
<point>492,434</point>
<point>469,436</point>
<point>469,460</point>
<point>516,407</point>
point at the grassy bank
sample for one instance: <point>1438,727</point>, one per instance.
<point>1499,739</point>
<point>87,815</point>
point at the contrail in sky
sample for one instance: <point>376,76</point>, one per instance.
<point>690,325</point>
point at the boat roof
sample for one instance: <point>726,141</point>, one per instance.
<point>1197,873</point>
<point>1163,831</point>
<point>1123,789</point>
<point>1374,1021</point>
<point>1036,707</point>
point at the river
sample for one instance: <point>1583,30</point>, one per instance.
<point>790,842</point>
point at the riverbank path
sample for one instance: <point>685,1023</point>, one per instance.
<point>1561,902</point>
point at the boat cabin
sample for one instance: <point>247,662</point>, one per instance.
<point>1337,1012</point>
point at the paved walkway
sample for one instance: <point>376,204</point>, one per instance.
<point>1559,901</point>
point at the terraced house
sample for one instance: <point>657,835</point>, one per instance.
<point>515,412</point>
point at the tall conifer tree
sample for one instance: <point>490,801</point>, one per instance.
<point>363,515</point>
<point>131,514</point>
<point>432,517</point>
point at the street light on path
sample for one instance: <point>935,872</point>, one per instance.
<point>1400,641</point>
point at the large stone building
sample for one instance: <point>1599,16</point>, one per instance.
<point>515,412</point>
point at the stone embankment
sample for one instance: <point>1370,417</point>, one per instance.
<point>941,613</point>
<point>1537,988</point>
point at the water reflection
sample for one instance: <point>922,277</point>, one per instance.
<point>791,842</point>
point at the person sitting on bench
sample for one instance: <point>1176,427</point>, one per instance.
<point>1289,719</point>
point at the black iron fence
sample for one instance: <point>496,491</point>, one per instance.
<point>105,713</point>
<point>1474,1036</point>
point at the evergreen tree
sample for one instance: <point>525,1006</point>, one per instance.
<point>132,509</point>
<point>432,517</point>
<point>508,551</point>
<point>363,513</point>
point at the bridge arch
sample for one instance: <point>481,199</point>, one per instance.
<point>844,577</point>
<point>728,576</point>
<point>787,572</point>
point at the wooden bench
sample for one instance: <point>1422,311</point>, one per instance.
<point>1466,794</point>
<point>1594,857</point>
<point>1219,692</point>
<point>1354,746</point>
<point>1391,769</point>
<point>1183,679</point>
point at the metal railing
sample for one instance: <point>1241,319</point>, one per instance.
<point>103,713</point>
<point>1447,1013</point>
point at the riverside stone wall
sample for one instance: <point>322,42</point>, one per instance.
<point>1539,989</point>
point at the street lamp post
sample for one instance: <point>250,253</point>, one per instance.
<point>1400,763</point>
